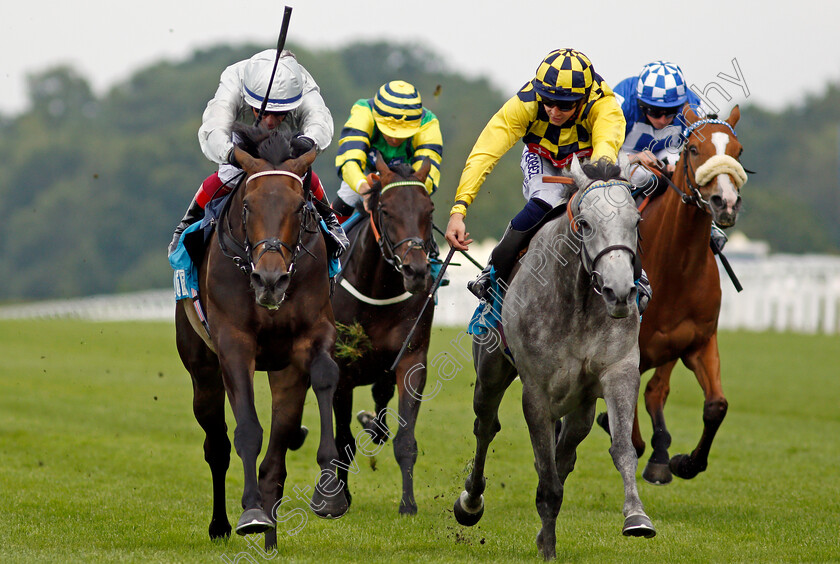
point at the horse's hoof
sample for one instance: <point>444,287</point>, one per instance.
<point>299,438</point>
<point>368,421</point>
<point>638,525</point>
<point>329,507</point>
<point>467,517</point>
<point>657,474</point>
<point>603,421</point>
<point>683,466</point>
<point>253,521</point>
<point>220,529</point>
<point>408,508</point>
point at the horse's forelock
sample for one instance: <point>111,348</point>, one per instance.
<point>270,145</point>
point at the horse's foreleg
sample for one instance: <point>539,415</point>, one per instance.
<point>575,428</point>
<point>535,405</point>
<point>705,363</point>
<point>411,380</point>
<point>621,388</point>
<point>209,410</point>
<point>656,393</point>
<point>344,442</point>
<point>493,377</point>
<point>237,360</point>
<point>328,499</point>
<point>288,393</point>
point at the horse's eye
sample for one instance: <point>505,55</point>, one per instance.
<point>693,150</point>
<point>584,227</point>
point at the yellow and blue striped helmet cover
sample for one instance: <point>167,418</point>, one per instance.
<point>397,109</point>
<point>565,74</point>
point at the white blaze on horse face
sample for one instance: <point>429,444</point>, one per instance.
<point>729,192</point>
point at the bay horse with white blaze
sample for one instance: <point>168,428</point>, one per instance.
<point>571,324</point>
<point>268,309</point>
<point>681,321</point>
<point>383,288</point>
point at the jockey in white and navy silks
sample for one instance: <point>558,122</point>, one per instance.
<point>652,104</point>
<point>294,104</point>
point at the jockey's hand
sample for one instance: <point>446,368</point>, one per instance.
<point>648,159</point>
<point>364,192</point>
<point>300,145</point>
<point>456,233</point>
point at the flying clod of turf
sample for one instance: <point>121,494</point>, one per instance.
<point>352,342</point>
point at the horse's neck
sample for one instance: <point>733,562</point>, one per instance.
<point>560,250</point>
<point>371,275</point>
<point>678,230</point>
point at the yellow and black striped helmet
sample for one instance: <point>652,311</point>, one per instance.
<point>397,109</point>
<point>565,74</point>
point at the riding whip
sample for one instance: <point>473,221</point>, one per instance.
<point>428,299</point>
<point>281,42</point>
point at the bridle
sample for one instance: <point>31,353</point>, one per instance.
<point>242,255</point>
<point>386,246</point>
<point>573,209</point>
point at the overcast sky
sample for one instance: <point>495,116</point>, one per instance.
<point>782,50</point>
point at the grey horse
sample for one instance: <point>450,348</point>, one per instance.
<point>571,323</point>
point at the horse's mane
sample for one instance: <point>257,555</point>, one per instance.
<point>270,145</point>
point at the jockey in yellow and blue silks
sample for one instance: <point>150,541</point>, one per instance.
<point>395,123</point>
<point>566,110</point>
<point>654,104</point>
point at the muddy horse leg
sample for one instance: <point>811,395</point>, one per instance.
<point>537,410</point>
<point>656,393</point>
<point>494,375</point>
<point>411,380</point>
<point>288,392</point>
<point>705,363</point>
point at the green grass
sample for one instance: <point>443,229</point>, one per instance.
<point>101,460</point>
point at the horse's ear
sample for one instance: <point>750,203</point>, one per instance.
<point>734,116</point>
<point>576,170</point>
<point>689,113</point>
<point>381,167</point>
<point>246,161</point>
<point>301,164</point>
<point>425,169</point>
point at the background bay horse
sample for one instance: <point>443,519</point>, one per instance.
<point>383,287</point>
<point>682,318</point>
<point>571,323</point>
<point>268,309</point>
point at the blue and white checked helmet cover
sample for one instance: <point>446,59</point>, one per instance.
<point>662,85</point>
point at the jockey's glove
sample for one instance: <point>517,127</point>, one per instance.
<point>301,144</point>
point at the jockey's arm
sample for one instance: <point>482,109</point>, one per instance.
<point>428,143</point>
<point>220,114</point>
<point>607,124</point>
<point>315,118</point>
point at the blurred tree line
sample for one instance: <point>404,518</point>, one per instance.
<point>92,187</point>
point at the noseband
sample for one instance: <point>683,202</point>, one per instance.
<point>386,246</point>
<point>573,209</point>
<point>735,168</point>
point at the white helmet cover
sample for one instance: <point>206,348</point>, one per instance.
<point>286,89</point>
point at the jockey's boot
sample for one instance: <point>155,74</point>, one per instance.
<point>194,213</point>
<point>718,239</point>
<point>337,243</point>
<point>645,292</point>
<point>502,259</point>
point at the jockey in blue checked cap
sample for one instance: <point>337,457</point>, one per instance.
<point>653,105</point>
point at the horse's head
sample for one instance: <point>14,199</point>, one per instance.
<point>274,217</point>
<point>710,164</point>
<point>605,221</point>
<point>402,217</point>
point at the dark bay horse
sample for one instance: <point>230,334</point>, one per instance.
<point>268,309</point>
<point>571,324</point>
<point>383,287</point>
<point>682,319</point>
